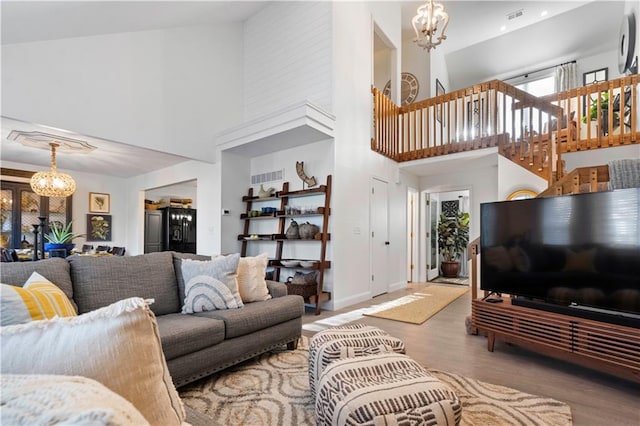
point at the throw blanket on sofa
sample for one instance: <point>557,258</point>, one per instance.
<point>624,174</point>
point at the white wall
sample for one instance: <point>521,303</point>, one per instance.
<point>439,69</point>
<point>381,67</point>
<point>169,90</point>
<point>287,57</point>
<point>235,178</point>
<point>208,222</point>
<point>599,156</point>
<point>512,177</point>
<point>355,163</point>
<point>85,183</point>
<point>180,190</point>
<point>416,60</point>
<point>481,181</point>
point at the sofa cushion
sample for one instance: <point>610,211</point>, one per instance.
<point>101,281</point>
<point>211,284</point>
<point>251,283</point>
<point>35,399</point>
<point>182,334</point>
<point>56,270</point>
<point>119,346</point>
<point>177,265</point>
<point>257,316</point>
<point>38,299</point>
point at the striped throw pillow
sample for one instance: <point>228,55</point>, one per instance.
<point>38,299</point>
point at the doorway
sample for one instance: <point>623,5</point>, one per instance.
<point>379,234</point>
<point>433,205</point>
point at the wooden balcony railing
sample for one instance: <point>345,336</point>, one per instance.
<point>532,131</point>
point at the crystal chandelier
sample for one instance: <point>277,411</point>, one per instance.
<point>425,24</point>
<point>51,183</point>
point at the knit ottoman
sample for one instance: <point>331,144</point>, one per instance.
<point>346,342</point>
<point>383,389</point>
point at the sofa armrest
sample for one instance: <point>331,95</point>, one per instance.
<point>276,289</point>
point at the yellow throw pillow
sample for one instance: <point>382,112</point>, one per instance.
<point>38,299</point>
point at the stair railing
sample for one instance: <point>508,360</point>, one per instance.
<point>534,132</point>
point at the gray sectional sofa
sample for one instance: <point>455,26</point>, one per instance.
<point>194,345</point>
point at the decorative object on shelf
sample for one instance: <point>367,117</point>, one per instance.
<point>265,193</point>
<point>453,237</point>
<point>151,205</point>
<point>254,213</point>
<point>268,210</point>
<point>308,231</point>
<point>310,181</point>
<point>409,88</point>
<point>425,24</point>
<point>293,231</point>
<point>51,183</point>
<point>99,203</point>
<point>303,278</point>
<point>98,227</point>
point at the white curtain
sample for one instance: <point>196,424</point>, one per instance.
<point>566,77</point>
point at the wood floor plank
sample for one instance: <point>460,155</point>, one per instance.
<point>442,343</point>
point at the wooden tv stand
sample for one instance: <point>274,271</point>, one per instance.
<point>611,348</point>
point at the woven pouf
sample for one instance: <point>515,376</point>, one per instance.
<point>384,389</point>
<point>346,342</point>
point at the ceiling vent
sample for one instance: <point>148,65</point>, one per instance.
<point>516,14</point>
<point>267,177</point>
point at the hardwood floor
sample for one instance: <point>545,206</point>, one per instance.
<point>442,343</point>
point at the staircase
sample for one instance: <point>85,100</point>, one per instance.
<point>533,132</point>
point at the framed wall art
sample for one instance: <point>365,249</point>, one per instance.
<point>99,203</point>
<point>99,227</point>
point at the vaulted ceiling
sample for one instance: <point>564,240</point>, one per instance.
<point>473,50</point>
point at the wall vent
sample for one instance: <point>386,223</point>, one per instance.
<point>267,177</point>
<point>516,14</point>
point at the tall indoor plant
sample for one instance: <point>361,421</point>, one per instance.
<point>453,237</point>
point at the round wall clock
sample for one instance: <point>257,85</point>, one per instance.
<point>408,88</point>
<point>626,42</point>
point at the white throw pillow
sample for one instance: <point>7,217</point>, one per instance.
<point>251,283</point>
<point>35,399</point>
<point>118,346</point>
<point>211,284</point>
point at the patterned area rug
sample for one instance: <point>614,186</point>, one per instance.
<point>273,389</point>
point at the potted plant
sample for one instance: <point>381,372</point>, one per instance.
<point>60,237</point>
<point>453,237</point>
<point>604,112</point>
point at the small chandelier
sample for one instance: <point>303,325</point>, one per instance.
<point>51,183</point>
<point>425,24</point>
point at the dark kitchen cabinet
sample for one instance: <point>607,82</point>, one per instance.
<point>152,231</point>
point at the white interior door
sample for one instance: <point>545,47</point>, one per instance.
<point>412,235</point>
<point>379,233</point>
<point>432,209</point>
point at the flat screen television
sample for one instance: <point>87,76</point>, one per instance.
<point>578,254</point>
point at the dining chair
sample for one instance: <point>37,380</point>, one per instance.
<point>118,251</point>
